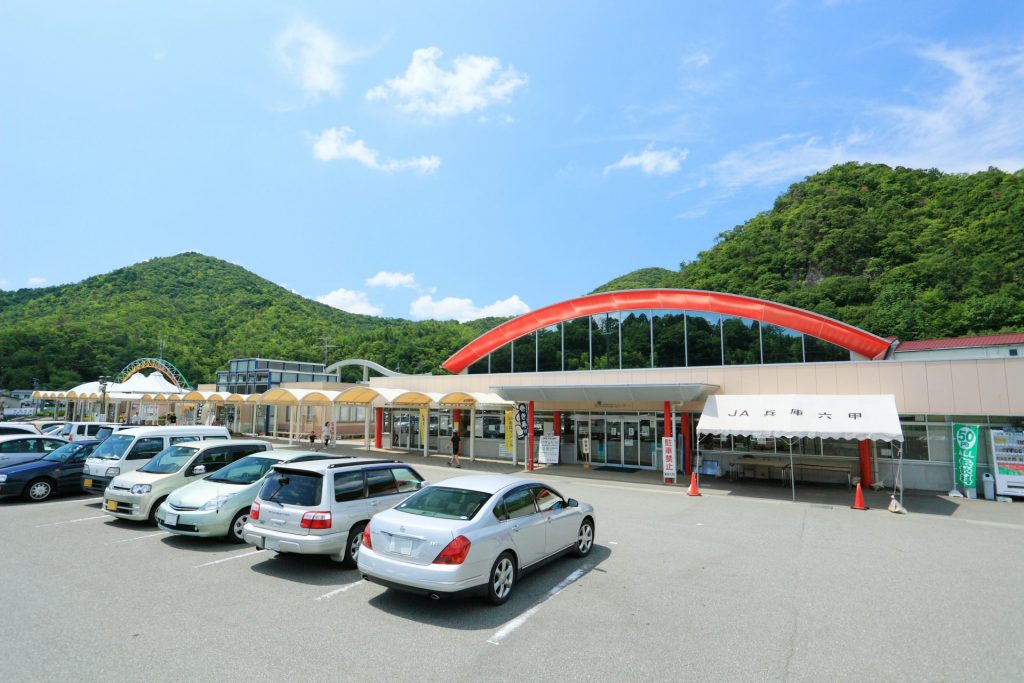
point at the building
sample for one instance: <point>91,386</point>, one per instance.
<point>613,373</point>
<point>259,375</point>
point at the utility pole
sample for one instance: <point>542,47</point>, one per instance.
<point>326,346</point>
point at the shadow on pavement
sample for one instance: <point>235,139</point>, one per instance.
<point>310,570</point>
<point>201,545</point>
<point>474,613</point>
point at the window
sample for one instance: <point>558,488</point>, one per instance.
<point>50,446</point>
<point>348,486</point>
<point>742,341</point>
<point>703,339</point>
<point>144,449</point>
<point>406,479</point>
<point>549,349</point>
<point>499,511</point>
<point>524,353</point>
<point>214,458</point>
<point>18,446</point>
<point>445,503</point>
<point>501,359</point>
<point>636,339</point>
<point>519,504</point>
<point>576,338</point>
<point>820,351</point>
<point>380,483</point>
<point>290,487</point>
<point>781,345</point>
<point>604,341</point>
<point>238,452</point>
<point>179,439</point>
<point>547,499</point>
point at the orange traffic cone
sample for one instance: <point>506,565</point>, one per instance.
<point>858,500</point>
<point>693,491</point>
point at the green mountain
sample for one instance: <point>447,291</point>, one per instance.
<point>205,311</point>
<point>901,252</point>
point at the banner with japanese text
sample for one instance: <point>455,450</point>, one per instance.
<point>965,455</point>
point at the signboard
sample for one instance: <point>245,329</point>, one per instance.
<point>522,420</point>
<point>668,450</point>
<point>549,449</point>
<point>1008,461</point>
<point>509,431</point>
<point>965,455</point>
<point>423,425</point>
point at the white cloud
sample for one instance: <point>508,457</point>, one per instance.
<point>474,83</point>
<point>696,60</point>
<point>972,124</point>
<point>652,161</point>
<point>313,57</point>
<point>334,143</point>
<point>36,281</point>
<point>452,308</point>
<point>3,283</point>
<point>348,300</point>
<point>392,280</point>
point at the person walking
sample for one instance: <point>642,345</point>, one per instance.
<point>325,433</point>
<point>456,439</point>
<point>312,440</point>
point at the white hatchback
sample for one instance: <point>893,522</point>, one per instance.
<point>473,534</point>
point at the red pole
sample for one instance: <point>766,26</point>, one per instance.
<point>557,417</point>
<point>378,427</point>
<point>685,426</point>
<point>457,421</point>
<point>529,449</point>
<point>864,450</point>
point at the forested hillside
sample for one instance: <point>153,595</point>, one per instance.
<point>908,253</point>
<point>206,311</point>
<point>900,252</point>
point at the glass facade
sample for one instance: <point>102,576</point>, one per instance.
<point>258,375</point>
<point>645,338</point>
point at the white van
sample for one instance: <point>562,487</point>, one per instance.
<point>74,431</point>
<point>137,495</point>
<point>130,449</point>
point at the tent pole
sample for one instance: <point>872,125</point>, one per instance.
<point>792,470</point>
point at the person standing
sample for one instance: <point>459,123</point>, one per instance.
<point>325,433</point>
<point>456,440</point>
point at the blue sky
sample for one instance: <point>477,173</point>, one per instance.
<point>460,159</point>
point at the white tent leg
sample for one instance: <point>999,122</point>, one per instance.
<point>472,434</point>
<point>366,427</point>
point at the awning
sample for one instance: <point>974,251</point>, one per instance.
<point>871,417</point>
<point>608,393</point>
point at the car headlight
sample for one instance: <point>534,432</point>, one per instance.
<point>142,488</point>
<point>215,503</point>
<point>3,477</point>
<point>113,471</point>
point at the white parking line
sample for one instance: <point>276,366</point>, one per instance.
<point>511,626</point>
<point>328,596</point>
<point>228,559</point>
<point>139,538</point>
<point>72,521</point>
<point>77,500</point>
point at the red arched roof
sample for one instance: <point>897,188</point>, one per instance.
<point>846,336</point>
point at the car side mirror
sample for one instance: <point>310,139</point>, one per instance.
<point>573,503</point>
<point>199,469</point>
<point>422,484</point>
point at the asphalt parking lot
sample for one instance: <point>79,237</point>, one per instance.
<point>733,585</point>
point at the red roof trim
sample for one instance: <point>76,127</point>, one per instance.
<point>856,340</point>
<point>962,342</point>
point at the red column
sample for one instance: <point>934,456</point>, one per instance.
<point>557,417</point>
<point>378,427</point>
<point>457,421</point>
<point>529,438</point>
<point>864,449</point>
<point>685,427</point>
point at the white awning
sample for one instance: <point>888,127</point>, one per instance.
<point>870,417</point>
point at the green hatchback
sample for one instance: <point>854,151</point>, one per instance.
<point>218,505</point>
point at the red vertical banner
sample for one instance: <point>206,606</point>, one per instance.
<point>378,427</point>
<point>684,425</point>
<point>557,417</point>
<point>457,421</point>
<point>864,450</point>
<point>529,437</point>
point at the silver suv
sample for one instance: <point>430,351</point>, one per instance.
<point>321,507</point>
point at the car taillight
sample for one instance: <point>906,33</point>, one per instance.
<point>455,552</point>
<point>254,511</point>
<point>316,520</point>
<point>367,541</point>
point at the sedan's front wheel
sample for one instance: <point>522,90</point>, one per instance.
<point>503,579</point>
<point>38,490</point>
<point>237,532</point>
<point>584,539</point>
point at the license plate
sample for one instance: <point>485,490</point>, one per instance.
<point>171,519</point>
<point>271,544</point>
<point>87,483</point>
<point>112,505</point>
<point>402,546</point>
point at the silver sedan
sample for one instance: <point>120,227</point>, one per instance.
<point>473,535</point>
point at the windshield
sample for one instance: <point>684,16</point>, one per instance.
<point>65,452</point>
<point>169,460</point>
<point>446,503</point>
<point>245,471</point>
<point>293,488</point>
<point>113,447</point>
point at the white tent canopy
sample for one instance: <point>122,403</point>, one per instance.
<point>872,417</point>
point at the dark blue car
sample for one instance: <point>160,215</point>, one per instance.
<point>60,470</point>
